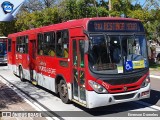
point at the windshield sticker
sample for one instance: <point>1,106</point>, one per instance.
<point>129,65</point>
<point>120,69</point>
<point>138,64</point>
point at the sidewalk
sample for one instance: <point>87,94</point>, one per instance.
<point>154,72</point>
<point>11,101</point>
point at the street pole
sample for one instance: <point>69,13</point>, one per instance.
<point>110,7</point>
<point>96,8</point>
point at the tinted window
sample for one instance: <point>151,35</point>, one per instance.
<point>46,44</point>
<point>22,44</point>
<point>62,43</point>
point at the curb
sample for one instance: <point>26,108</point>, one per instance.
<point>155,76</point>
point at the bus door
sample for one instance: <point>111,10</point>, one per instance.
<point>78,78</point>
<point>32,55</point>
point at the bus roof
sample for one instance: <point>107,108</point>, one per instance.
<point>69,24</point>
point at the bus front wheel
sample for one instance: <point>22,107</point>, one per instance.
<point>63,91</point>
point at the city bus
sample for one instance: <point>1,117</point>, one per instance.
<point>3,50</point>
<point>91,61</point>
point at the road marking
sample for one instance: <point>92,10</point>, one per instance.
<point>31,102</point>
<point>155,76</point>
<point>148,105</point>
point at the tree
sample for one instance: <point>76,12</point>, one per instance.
<point>7,28</point>
<point>36,19</point>
<point>38,5</point>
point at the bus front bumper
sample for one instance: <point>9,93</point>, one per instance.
<point>96,100</point>
<point>2,60</point>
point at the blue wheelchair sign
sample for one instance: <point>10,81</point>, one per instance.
<point>128,65</point>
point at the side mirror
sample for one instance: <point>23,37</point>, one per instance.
<point>86,46</point>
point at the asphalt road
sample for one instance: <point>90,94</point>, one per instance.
<point>51,102</point>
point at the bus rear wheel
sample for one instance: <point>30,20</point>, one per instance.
<point>21,75</point>
<point>63,91</point>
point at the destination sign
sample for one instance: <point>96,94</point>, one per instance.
<point>115,26</point>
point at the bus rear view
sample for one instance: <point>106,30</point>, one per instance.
<point>118,67</point>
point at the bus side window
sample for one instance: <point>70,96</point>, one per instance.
<point>59,44</point>
<point>45,44</point>
<point>51,51</point>
<point>51,45</point>
<point>62,44</point>
<point>40,42</point>
<point>22,44</point>
<point>65,43</point>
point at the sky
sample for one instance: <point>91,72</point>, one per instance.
<point>134,1</point>
<point>139,1</point>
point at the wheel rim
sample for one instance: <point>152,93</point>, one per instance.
<point>64,90</point>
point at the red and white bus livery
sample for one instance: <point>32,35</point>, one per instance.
<point>92,61</point>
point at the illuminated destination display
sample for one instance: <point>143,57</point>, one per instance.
<point>115,26</point>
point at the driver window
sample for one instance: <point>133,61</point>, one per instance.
<point>137,47</point>
<point>115,49</point>
<point>131,46</point>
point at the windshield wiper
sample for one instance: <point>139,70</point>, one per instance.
<point>107,46</point>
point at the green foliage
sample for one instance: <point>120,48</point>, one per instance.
<point>27,20</point>
<point>7,28</point>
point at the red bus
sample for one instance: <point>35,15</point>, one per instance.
<point>92,61</point>
<point>3,49</point>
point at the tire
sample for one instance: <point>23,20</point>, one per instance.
<point>21,75</point>
<point>63,91</point>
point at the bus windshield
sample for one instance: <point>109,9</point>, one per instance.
<point>114,54</point>
<point>3,48</point>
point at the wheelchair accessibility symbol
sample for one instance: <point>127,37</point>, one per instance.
<point>129,65</point>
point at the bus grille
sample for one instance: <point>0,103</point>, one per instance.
<point>121,81</point>
<point>120,97</point>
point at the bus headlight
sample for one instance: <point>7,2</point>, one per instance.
<point>145,82</point>
<point>5,57</point>
<point>97,87</point>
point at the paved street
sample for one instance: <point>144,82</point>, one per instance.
<point>155,88</point>
<point>10,101</point>
<point>51,102</point>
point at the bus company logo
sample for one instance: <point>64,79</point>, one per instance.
<point>125,88</point>
<point>7,7</point>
